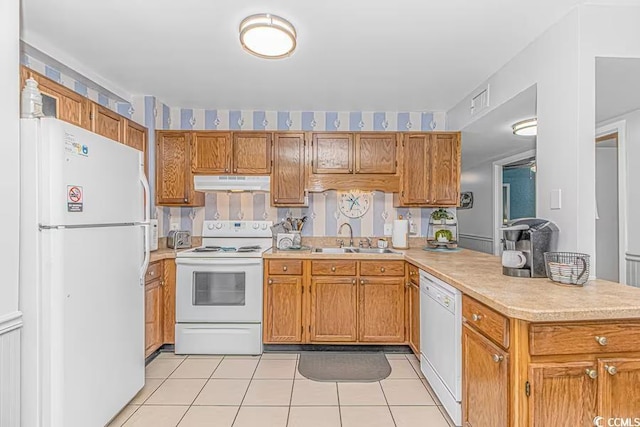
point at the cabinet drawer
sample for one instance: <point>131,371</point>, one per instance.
<point>489,322</point>
<point>386,268</point>
<point>333,268</point>
<point>154,272</point>
<point>285,266</point>
<point>414,274</point>
<point>584,338</point>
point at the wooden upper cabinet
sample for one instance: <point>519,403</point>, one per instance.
<point>108,123</point>
<point>59,101</point>
<point>381,310</point>
<point>332,153</point>
<point>288,178</point>
<point>211,152</point>
<point>252,153</point>
<point>618,395</point>
<point>416,170</point>
<point>174,180</point>
<point>375,153</point>
<point>485,382</point>
<point>333,309</point>
<point>445,169</point>
<point>562,394</point>
<point>136,136</point>
<point>283,309</point>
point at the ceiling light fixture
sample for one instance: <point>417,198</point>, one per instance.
<point>527,127</point>
<point>267,36</point>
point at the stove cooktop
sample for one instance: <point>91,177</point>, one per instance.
<point>253,248</point>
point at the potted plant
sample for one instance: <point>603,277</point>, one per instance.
<point>442,216</point>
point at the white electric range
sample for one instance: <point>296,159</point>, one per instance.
<point>219,289</point>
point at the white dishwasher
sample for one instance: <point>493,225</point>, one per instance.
<point>441,341</point>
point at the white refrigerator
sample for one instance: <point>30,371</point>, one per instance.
<point>83,256</point>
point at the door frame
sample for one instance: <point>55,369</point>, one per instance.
<point>619,127</point>
<point>497,194</point>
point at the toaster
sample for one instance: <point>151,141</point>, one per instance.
<point>179,239</point>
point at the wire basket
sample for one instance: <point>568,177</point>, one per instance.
<point>569,268</point>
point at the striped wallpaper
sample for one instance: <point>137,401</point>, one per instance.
<point>323,212</point>
<point>323,207</point>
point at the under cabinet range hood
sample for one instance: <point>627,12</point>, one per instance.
<point>231,183</point>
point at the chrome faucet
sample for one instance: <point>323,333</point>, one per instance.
<point>350,232</point>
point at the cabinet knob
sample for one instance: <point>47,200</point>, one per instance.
<point>235,170</point>
<point>151,273</point>
<point>407,285</point>
<point>381,269</point>
<point>476,317</point>
<point>591,373</point>
<point>602,340</point>
<point>186,200</point>
<point>275,200</point>
<point>284,268</point>
<point>270,281</point>
<point>362,282</point>
<point>498,358</point>
<point>353,282</point>
<point>612,370</point>
<point>333,269</point>
<point>226,169</point>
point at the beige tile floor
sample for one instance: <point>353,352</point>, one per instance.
<point>268,391</point>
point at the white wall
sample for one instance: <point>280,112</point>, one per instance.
<point>607,231</point>
<point>478,221</point>
<point>10,159</point>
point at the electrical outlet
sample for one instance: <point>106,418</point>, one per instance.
<point>388,229</point>
<point>174,226</point>
<point>412,228</point>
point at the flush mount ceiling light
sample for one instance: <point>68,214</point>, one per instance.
<point>267,36</point>
<point>527,127</point>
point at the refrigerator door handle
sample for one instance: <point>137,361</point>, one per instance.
<point>145,224</point>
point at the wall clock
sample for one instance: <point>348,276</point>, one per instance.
<point>354,204</point>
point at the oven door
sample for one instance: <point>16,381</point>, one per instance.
<point>225,290</point>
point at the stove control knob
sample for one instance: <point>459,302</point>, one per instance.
<point>219,225</point>
<point>256,226</point>
<point>210,226</point>
<point>264,226</point>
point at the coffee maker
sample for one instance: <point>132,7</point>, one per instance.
<point>533,237</point>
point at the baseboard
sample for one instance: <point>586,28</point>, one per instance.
<point>476,243</point>
<point>10,331</point>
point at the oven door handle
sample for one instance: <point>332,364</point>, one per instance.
<point>218,262</point>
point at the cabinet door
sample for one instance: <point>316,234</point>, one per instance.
<point>332,153</point>
<point>252,153</point>
<point>415,170</point>
<point>173,174</point>
<point>445,170</point>
<point>211,152</point>
<point>381,309</point>
<point>107,123</point>
<point>169,301</point>
<point>333,309</point>
<point>485,381</point>
<point>283,309</point>
<point>562,394</point>
<point>61,102</point>
<point>153,316</point>
<point>414,317</point>
<point>136,137</point>
<point>619,382</point>
<point>288,177</point>
<point>375,153</point>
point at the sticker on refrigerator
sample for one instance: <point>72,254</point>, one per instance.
<point>74,198</point>
<point>71,146</point>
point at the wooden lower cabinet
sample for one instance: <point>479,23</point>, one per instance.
<point>413,329</point>
<point>381,310</point>
<point>333,309</point>
<point>562,394</point>
<point>619,388</point>
<point>153,316</point>
<point>485,382</point>
<point>283,309</point>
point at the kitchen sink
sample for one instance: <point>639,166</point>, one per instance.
<point>353,251</point>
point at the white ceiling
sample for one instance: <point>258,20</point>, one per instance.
<point>617,87</point>
<point>369,55</point>
<point>491,137</point>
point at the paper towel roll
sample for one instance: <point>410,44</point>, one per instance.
<point>400,235</point>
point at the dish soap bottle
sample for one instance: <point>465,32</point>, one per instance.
<point>31,100</point>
